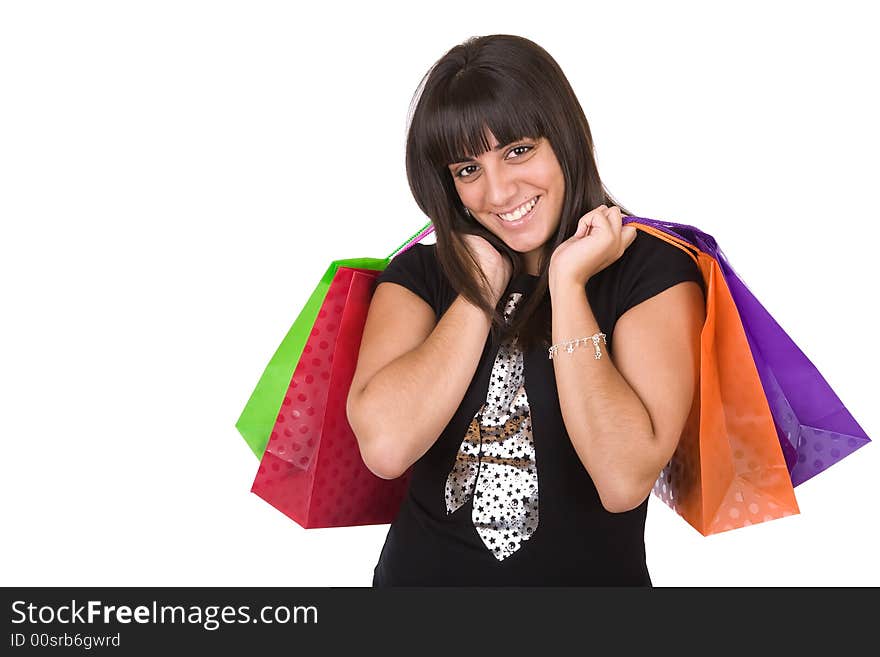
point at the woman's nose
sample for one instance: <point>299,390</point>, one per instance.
<point>500,189</point>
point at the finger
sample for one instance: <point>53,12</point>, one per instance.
<point>600,218</point>
<point>628,233</point>
<point>595,212</point>
<point>614,214</point>
<point>615,219</point>
<point>587,223</point>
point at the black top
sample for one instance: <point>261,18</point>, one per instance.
<point>501,498</point>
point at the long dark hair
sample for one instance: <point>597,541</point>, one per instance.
<point>513,87</point>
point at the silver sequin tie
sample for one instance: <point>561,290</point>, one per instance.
<point>496,460</point>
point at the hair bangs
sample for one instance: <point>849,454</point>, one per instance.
<point>459,129</point>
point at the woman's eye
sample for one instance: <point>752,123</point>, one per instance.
<point>462,170</point>
<point>516,148</point>
<point>471,166</point>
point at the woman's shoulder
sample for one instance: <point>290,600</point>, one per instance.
<point>419,252</point>
<point>417,256</point>
<point>648,254</point>
<point>417,269</point>
<point>648,243</point>
<point>650,265</point>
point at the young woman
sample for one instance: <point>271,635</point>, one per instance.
<point>527,469</point>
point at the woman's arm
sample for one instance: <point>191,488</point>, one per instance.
<point>625,421</point>
<point>403,408</point>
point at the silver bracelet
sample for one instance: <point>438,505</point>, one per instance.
<point>572,344</point>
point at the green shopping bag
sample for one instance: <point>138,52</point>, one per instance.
<point>258,417</point>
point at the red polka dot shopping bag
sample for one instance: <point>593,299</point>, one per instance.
<point>295,421</point>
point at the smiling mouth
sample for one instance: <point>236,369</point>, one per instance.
<point>522,219</point>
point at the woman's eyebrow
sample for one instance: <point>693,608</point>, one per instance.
<point>496,149</point>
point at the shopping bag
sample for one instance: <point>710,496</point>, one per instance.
<point>815,429</point>
<point>728,470</point>
<point>259,414</point>
<point>312,469</point>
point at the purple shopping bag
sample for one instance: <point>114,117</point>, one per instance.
<point>815,429</point>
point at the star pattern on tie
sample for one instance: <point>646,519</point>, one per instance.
<point>496,460</point>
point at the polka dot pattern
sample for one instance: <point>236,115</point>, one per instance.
<point>784,419</point>
<point>496,459</point>
<point>807,412</point>
<point>729,469</point>
<point>807,450</point>
<point>312,469</point>
<point>818,449</point>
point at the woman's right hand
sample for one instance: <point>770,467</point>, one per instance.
<point>498,268</point>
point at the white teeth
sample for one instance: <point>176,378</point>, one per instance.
<point>517,214</point>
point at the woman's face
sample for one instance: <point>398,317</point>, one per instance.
<point>505,179</point>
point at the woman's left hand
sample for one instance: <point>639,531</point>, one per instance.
<point>599,240</point>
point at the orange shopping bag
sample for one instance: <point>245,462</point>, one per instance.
<point>728,470</point>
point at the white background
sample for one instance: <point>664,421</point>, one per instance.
<point>176,176</point>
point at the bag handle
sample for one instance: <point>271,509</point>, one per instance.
<point>422,233</point>
<point>670,239</point>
